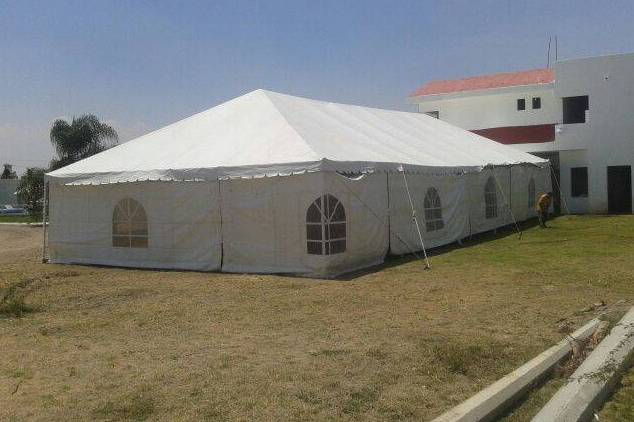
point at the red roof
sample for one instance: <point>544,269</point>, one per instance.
<point>498,80</point>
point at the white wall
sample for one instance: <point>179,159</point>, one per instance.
<point>568,160</point>
<point>264,223</point>
<point>259,225</point>
<point>495,108</point>
<point>454,196</point>
<point>463,205</point>
<point>608,134</point>
<point>183,225</point>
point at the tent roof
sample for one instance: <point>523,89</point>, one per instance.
<point>266,133</point>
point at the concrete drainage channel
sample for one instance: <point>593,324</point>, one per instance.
<point>577,400</point>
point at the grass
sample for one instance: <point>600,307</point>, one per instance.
<point>20,219</point>
<point>399,343</point>
<point>12,302</point>
<point>620,408</point>
<point>535,400</point>
<point>138,406</point>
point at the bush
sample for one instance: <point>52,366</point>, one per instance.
<point>12,303</point>
<point>31,190</point>
<point>14,307</point>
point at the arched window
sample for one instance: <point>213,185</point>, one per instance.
<point>129,225</point>
<point>490,199</point>
<point>326,226</point>
<point>433,210</point>
<point>531,193</point>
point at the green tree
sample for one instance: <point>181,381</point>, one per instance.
<point>31,190</point>
<point>82,137</point>
<point>8,173</point>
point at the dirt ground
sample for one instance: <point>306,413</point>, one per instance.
<point>398,343</point>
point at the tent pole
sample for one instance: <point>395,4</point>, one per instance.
<point>222,243</point>
<point>411,203</point>
<point>389,230</point>
<point>519,232</point>
<point>44,223</point>
<point>561,195</point>
<point>381,220</point>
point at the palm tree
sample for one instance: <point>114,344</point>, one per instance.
<point>82,137</point>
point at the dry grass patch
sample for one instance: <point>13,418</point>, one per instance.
<point>399,343</point>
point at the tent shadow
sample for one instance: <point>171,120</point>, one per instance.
<point>476,239</point>
<point>390,260</point>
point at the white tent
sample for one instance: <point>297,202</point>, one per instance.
<point>269,182</point>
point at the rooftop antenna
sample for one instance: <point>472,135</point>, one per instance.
<point>548,59</point>
<point>556,55</point>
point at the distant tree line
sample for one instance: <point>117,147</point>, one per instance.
<point>80,138</point>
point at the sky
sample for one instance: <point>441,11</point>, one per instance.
<point>140,65</point>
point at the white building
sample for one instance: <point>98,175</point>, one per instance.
<point>578,114</point>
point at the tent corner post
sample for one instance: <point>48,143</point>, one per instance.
<point>45,222</point>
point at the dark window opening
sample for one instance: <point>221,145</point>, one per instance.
<point>325,226</point>
<point>574,109</point>
<point>620,189</point>
<point>579,182</point>
<point>490,199</point>
<point>129,225</point>
<point>433,210</point>
<point>537,103</point>
<point>434,114</point>
<point>521,104</point>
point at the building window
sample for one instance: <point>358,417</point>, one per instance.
<point>537,103</point>
<point>579,182</point>
<point>129,225</point>
<point>574,109</point>
<point>490,199</point>
<point>435,114</point>
<point>521,104</point>
<point>325,226</point>
<point>433,210</point>
<point>531,193</point>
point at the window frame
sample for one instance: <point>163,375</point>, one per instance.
<point>579,187</point>
<point>323,230</point>
<point>536,103</point>
<point>432,204</point>
<point>130,225</point>
<point>573,109</point>
<point>521,104</point>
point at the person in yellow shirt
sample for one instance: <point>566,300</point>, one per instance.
<point>543,204</point>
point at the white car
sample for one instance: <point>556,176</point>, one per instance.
<point>11,210</point>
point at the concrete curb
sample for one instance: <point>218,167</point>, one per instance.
<point>591,383</point>
<point>493,400</point>
<point>23,224</point>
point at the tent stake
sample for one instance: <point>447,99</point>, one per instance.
<point>420,236</point>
